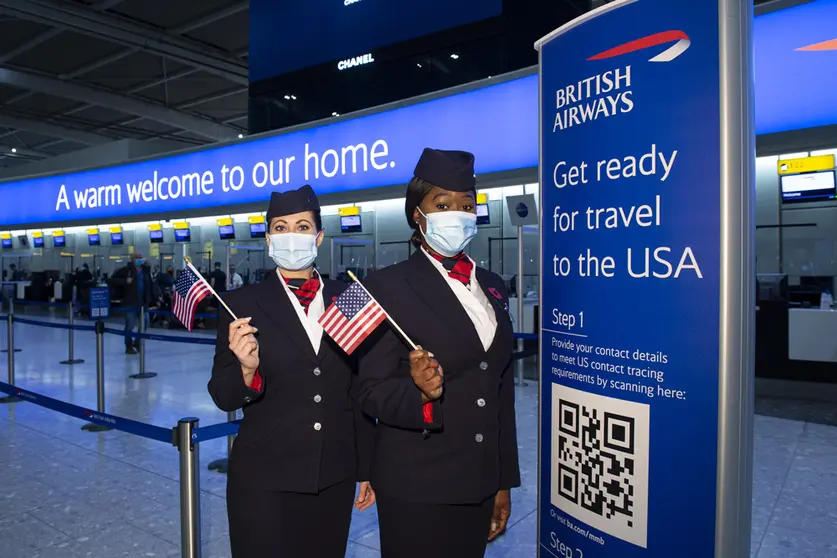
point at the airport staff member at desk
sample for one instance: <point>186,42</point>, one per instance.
<point>446,441</point>
<point>303,442</point>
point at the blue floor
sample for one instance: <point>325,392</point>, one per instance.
<point>66,493</point>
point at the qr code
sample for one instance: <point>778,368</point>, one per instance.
<point>600,453</point>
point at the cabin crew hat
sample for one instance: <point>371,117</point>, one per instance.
<point>294,201</point>
<point>451,170</point>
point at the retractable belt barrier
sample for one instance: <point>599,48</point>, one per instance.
<point>120,309</point>
<point>114,422</point>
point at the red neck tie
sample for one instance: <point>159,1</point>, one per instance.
<point>458,267</point>
<point>305,290</point>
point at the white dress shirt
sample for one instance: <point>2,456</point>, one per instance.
<point>473,300</point>
<point>311,320</point>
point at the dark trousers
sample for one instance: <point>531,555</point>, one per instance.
<point>131,323</point>
<point>265,524</point>
<point>410,530</point>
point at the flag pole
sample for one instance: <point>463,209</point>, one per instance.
<point>391,321</point>
<point>208,286</point>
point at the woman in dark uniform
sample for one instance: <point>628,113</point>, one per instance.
<point>303,442</point>
<point>446,442</point>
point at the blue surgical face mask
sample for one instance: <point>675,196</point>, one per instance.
<point>138,262</point>
<point>449,232</point>
<point>293,251</point>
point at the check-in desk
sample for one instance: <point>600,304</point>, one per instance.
<point>795,343</point>
<point>812,334</point>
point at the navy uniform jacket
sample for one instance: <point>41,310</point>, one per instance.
<point>469,451</point>
<point>303,432</point>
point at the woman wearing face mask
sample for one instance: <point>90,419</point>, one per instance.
<point>446,442</point>
<point>303,443</point>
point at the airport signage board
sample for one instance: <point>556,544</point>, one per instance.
<point>805,164</point>
<point>99,303</point>
<point>354,154</point>
<point>631,252</point>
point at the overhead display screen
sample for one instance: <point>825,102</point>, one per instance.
<point>292,35</point>
<point>808,187</point>
<point>796,67</point>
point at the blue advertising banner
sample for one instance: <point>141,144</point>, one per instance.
<point>630,190</point>
<point>365,152</point>
<point>99,303</point>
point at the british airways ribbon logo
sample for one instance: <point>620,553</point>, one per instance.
<point>820,47</point>
<point>679,38</point>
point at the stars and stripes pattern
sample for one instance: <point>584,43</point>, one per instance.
<point>458,267</point>
<point>352,318</point>
<point>188,292</point>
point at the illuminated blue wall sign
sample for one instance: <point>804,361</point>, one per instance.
<point>796,67</point>
<point>794,89</point>
<point>498,123</point>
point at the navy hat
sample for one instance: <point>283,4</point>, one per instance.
<point>292,202</point>
<point>450,170</point>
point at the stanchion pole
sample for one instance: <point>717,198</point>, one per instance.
<point>190,508</point>
<point>100,378</point>
<point>143,375</point>
<point>10,337</point>
<point>223,465</point>
<point>71,319</point>
<point>11,313</point>
<point>520,309</point>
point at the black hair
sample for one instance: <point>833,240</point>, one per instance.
<point>217,265</point>
<point>417,190</point>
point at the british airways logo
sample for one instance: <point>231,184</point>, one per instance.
<point>600,96</point>
<point>679,38</point>
<point>609,93</point>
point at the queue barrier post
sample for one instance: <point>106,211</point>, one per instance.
<point>222,465</point>
<point>190,510</point>
<point>100,378</point>
<point>520,365</point>
<point>71,352</point>
<point>10,337</point>
<point>142,375</point>
<point>10,344</point>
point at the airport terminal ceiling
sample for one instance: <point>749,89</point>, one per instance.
<point>76,74</point>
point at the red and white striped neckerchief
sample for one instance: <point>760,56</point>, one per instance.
<point>458,267</point>
<point>305,290</point>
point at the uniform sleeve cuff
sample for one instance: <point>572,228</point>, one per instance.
<point>431,416</point>
<point>257,383</point>
<point>427,412</point>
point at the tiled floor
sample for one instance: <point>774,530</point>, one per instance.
<point>65,493</point>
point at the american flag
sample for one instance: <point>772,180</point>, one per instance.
<point>352,318</point>
<point>188,292</point>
